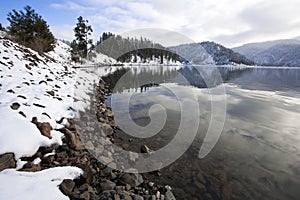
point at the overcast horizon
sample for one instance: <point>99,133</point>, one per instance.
<point>227,22</point>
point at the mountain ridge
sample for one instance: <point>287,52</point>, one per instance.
<point>284,52</point>
<point>209,53</point>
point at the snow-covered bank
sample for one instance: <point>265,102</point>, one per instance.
<point>35,185</point>
<point>31,86</point>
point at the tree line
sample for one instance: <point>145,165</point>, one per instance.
<point>130,49</point>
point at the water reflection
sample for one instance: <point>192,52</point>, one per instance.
<point>258,154</point>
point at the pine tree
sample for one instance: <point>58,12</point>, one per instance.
<point>28,28</point>
<point>82,31</point>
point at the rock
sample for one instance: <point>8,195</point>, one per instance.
<point>89,145</point>
<point>208,196</point>
<point>109,113</point>
<point>221,175</point>
<point>39,105</point>
<point>67,186</point>
<point>127,187</point>
<point>84,191</point>
<point>200,186</point>
<point>100,115</point>
<point>23,114</point>
<point>21,96</point>
<point>52,93</point>
<point>226,192</point>
<point>110,194</point>
<point>151,184</point>
<point>169,195</point>
<point>10,91</point>
<point>7,160</point>
<point>137,197</point>
<point>107,130</point>
<point>133,156</point>
<point>125,196</point>
<point>214,185</point>
<point>72,139</point>
<point>107,185</point>
<point>45,128</point>
<point>85,195</point>
<point>15,106</point>
<point>133,179</point>
<point>106,172</point>
<point>158,195</point>
<point>30,167</point>
<point>87,176</point>
<point>145,149</point>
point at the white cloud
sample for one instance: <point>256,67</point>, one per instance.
<point>230,22</point>
<point>63,32</point>
<point>69,5</point>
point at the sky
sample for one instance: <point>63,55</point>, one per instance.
<point>170,22</point>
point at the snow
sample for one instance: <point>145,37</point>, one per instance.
<point>61,52</point>
<point>99,59</point>
<point>28,88</point>
<point>41,87</point>
<point>35,185</point>
<point>194,53</point>
<point>273,53</point>
<point>22,137</point>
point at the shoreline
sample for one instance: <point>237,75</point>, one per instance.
<point>91,143</point>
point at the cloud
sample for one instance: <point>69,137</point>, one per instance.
<point>70,5</point>
<point>230,22</point>
<point>63,31</point>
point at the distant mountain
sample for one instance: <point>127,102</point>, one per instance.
<point>192,53</point>
<point>209,53</point>
<point>273,53</point>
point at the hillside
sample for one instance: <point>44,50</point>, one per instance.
<point>209,53</point>
<point>39,145</point>
<point>53,145</point>
<point>133,50</point>
<point>273,53</point>
<point>36,88</point>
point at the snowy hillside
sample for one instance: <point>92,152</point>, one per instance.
<point>193,53</point>
<point>100,59</point>
<point>209,53</point>
<point>40,88</point>
<point>273,53</point>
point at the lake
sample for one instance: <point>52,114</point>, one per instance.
<point>251,115</point>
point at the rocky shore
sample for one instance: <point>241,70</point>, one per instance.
<point>84,146</point>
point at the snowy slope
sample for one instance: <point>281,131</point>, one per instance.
<point>209,53</point>
<point>273,53</point>
<point>38,86</point>
<point>61,52</point>
<point>193,53</point>
<point>100,59</point>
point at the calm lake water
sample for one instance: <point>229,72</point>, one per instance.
<point>258,153</point>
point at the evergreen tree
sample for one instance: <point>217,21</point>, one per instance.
<point>28,28</point>
<point>82,31</point>
<point>129,49</point>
